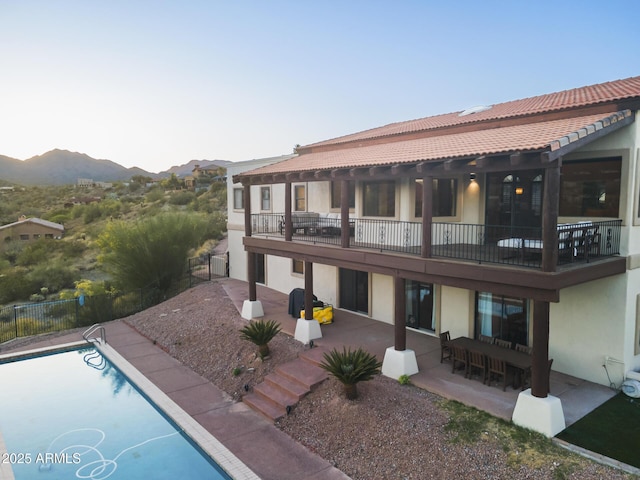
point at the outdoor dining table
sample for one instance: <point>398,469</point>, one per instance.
<point>518,360</point>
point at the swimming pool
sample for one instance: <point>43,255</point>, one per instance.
<point>76,415</point>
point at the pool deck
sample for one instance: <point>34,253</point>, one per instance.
<point>256,442</point>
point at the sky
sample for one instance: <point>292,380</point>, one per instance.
<point>158,83</point>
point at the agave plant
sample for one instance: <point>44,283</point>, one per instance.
<point>260,332</point>
<point>351,367</point>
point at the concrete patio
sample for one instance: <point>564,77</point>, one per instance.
<point>578,397</point>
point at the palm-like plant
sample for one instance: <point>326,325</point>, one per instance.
<point>260,332</point>
<point>351,367</point>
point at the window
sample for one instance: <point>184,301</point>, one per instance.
<point>336,194</point>
<point>297,266</point>
<point>445,194</point>
<point>265,198</point>
<point>238,198</point>
<point>379,199</point>
<point>591,188</point>
<point>502,317</point>
<point>24,236</point>
<point>299,196</point>
<point>48,235</point>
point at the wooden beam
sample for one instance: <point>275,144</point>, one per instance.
<point>358,172</point>
<point>322,174</point>
<point>456,163</point>
<point>307,175</point>
<point>401,169</point>
<point>378,170</point>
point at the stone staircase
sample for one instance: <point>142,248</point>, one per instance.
<point>285,387</point>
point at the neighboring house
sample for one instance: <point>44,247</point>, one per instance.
<point>519,220</point>
<point>89,183</point>
<point>30,229</point>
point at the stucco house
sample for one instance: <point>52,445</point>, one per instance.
<point>30,229</point>
<point>518,221</point>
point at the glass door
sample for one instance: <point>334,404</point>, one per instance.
<point>354,290</point>
<point>502,317</point>
<point>514,204</point>
<point>419,298</point>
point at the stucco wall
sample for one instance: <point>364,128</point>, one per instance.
<point>587,325</point>
<point>381,298</point>
<point>456,311</point>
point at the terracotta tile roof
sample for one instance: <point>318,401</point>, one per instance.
<point>568,99</point>
<point>549,135</point>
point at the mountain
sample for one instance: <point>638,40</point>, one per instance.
<point>62,167</point>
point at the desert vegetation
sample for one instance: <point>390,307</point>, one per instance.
<point>135,234</point>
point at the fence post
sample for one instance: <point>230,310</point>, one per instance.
<point>15,318</point>
<point>209,255</point>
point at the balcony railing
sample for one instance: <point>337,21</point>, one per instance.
<point>519,246</point>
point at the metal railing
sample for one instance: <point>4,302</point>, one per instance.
<point>510,245</point>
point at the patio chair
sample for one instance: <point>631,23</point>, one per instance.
<point>459,358</point>
<point>525,376</point>
<point>445,349</point>
<point>497,367</point>
<point>523,348</point>
<point>486,339</point>
<point>477,361</point>
<point>503,343</point>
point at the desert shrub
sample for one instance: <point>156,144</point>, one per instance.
<point>155,195</point>
<point>15,286</point>
<point>53,275</point>
<point>151,252</point>
<point>182,198</point>
<point>91,213</point>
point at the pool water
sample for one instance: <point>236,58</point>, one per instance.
<point>75,415</point>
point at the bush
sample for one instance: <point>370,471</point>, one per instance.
<point>350,368</point>
<point>152,252</point>
<point>260,332</point>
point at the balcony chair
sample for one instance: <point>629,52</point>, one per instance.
<point>497,367</point>
<point>459,358</point>
<point>445,349</point>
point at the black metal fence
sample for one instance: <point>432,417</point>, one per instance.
<point>45,317</point>
<point>578,242</point>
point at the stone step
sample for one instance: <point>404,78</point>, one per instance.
<point>293,387</point>
<point>314,355</point>
<point>304,372</point>
<point>275,394</point>
<point>267,408</point>
<point>285,386</point>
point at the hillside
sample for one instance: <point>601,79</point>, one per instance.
<point>62,167</point>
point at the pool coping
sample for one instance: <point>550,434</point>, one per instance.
<point>233,466</point>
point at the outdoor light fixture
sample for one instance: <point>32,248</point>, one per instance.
<point>519,190</point>
<point>472,176</point>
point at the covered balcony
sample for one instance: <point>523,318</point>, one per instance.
<point>577,243</point>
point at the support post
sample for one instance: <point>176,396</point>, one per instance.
<point>427,215</point>
<point>288,225</point>
<point>344,214</point>
<point>535,409</point>
<point>251,308</point>
<point>398,360</point>
<point>550,209</point>
<point>307,328</point>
